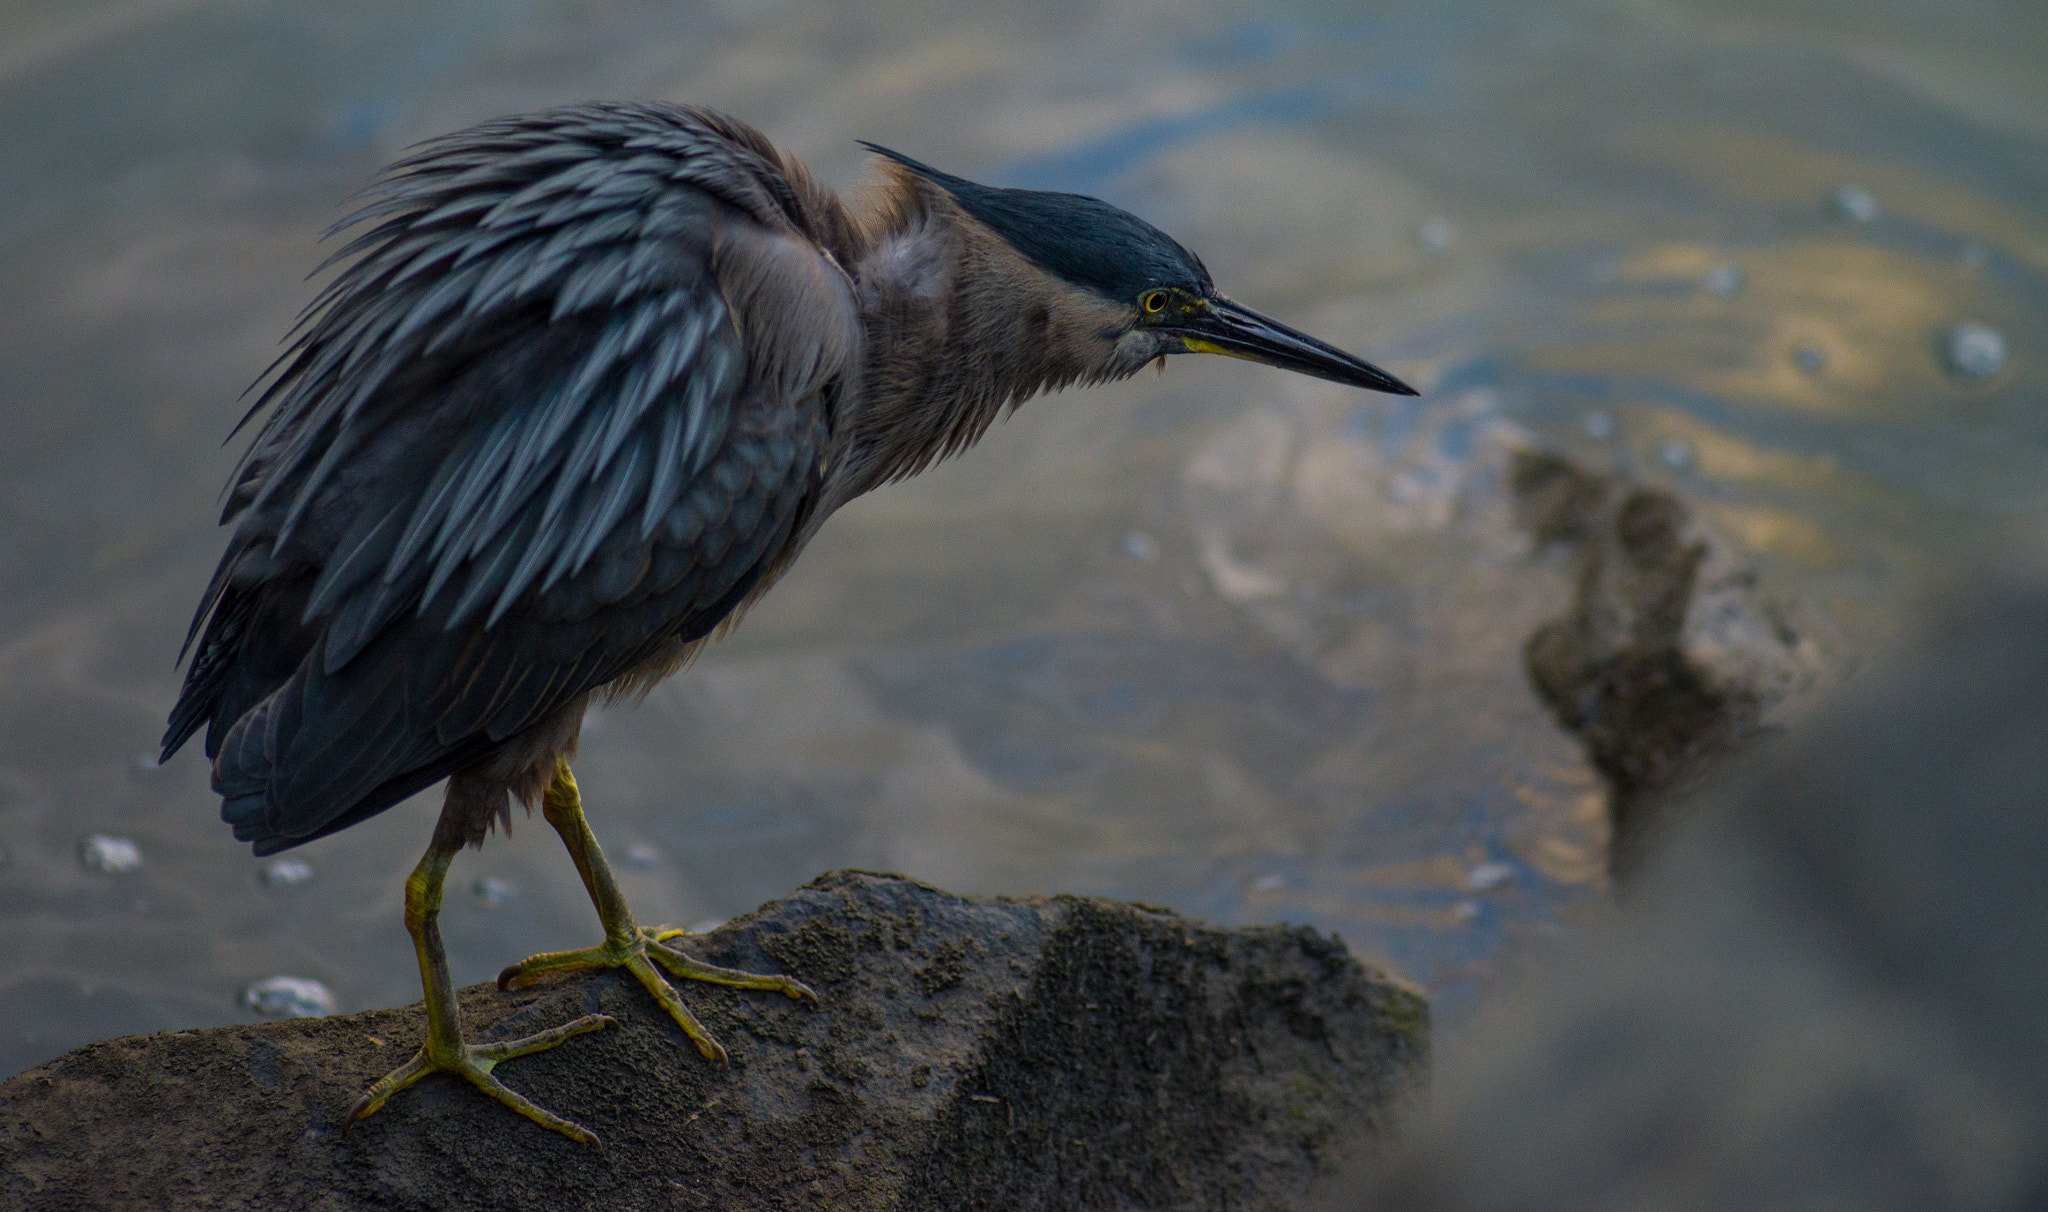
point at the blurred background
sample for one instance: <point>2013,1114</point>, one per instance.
<point>1241,644</point>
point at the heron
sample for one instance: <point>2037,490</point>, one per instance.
<point>585,384</point>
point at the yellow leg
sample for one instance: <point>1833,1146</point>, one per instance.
<point>628,945</point>
<point>444,1050</point>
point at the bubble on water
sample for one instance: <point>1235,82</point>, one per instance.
<point>1272,882</point>
<point>288,997</point>
<point>1810,358</point>
<point>1722,280</point>
<point>1465,911</point>
<point>147,763</point>
<point>1435,236</point>
<point>1141,546</point>
<point>493,891</point>
<point>707,925</point>
<point>1599,426</point>
<point>640,854</point>
<point>1973,350</point>
<point>113,855</point>
<point>1676,454</point>
<point>1852,202</point>
<point>1487,876</point>
<point>285,873</point>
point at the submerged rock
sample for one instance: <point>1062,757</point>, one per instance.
<point>1058,1052</point>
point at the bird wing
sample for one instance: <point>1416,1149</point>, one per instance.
<point>561,413</point>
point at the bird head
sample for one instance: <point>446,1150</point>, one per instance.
<point>1163,293</point>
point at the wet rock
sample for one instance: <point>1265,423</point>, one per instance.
<point>112,855</point>
<point>288,997</point>
<point>1668,656</point>
<point>1973,351</point>
<point>1052,1053</point>
<point>1825,994</point>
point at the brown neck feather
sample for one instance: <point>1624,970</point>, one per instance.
<point>959,329</point>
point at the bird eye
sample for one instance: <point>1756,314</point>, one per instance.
<point>1154,302</point>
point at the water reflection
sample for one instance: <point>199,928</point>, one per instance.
<point>1240,644</point>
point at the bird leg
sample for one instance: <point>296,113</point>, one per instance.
<point>626,944</point>
<point>444,1049</point>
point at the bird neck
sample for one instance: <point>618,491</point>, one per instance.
<point>959,329</point>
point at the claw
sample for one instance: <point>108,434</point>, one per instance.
<point>628,945</point>
<point>697,970</point>
<point>473,1063</point>
<point>633,952</point>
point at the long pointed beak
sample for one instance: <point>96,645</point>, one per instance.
<point>1238,331</point>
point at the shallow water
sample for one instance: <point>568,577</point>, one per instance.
<point>1222,640</point>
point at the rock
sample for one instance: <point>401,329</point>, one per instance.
<point>1824,993</point>
<point>1668,656</point>
<point>1058,1052</point>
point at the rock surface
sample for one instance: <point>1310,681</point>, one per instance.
<point>1052,1053</point>
<point>1822,992</point>
<point>1667,657</point>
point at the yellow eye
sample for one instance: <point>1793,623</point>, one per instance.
<point>1154,302</point>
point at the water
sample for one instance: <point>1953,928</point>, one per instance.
<point>1223,640</point>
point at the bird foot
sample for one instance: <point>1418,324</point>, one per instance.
<point>474,1062</point>
<point>638,951</point>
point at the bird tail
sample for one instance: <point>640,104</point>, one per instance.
<point>307,761</point>
<point>244,771</point>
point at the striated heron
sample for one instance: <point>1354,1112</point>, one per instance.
<point>587,383</point>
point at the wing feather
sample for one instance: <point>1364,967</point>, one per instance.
<point>528,390</point>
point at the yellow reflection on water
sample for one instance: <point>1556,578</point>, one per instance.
<point>1760,166</point>
<point>1563,831</point>
<point>1826,325</point>
<point>1781,533</point>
